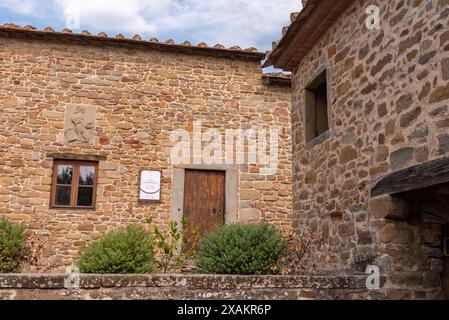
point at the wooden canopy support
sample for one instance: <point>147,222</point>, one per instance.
<point>417,177</point>
<point>433,200</point>
<point>438,211</point>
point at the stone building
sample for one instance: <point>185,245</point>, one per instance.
<point>371,136</point>
<point>87,127</point>
<point>81,116</point>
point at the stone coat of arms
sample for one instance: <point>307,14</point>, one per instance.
<point>79,125</point>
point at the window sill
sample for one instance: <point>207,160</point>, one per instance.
<point>318,140</point>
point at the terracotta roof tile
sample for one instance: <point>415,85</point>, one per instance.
<point>11,26</point>
<point>31,28</point>
<point>277,78</point>
<point>278,75</point>
<point>218,49</point>
<point>294,16</point>
<point>297,19</point>
<point>252,49</point>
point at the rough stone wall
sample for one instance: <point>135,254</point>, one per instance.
<point>389,110</point>
<point>140,97</point>
<point>190,287</point>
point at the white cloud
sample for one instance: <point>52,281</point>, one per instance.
<point>109,15</point>
<point>25,7</point>
<point>230,22</point>
<point>243,22</point>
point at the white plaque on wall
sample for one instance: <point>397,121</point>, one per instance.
<point>150,185</point>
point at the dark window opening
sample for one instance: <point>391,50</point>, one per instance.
<point>74,184</point>
<point>316,108</point>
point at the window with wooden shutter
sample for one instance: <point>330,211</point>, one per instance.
<point>316,108</point>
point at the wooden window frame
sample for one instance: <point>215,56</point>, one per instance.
<point>311,112</point>
<point>75,184</point>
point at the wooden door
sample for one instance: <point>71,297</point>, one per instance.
<point>204,200</point>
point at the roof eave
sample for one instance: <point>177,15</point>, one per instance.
<point>277,79</point>
<point>308,27</point>
<point>83,38</point>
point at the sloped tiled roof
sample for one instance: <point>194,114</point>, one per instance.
<point>306,27</point>
<point>277,78</point>
<point>202,48</point>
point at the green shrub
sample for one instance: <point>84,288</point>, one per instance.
<point>167,243</point>
<point>13,249</point>
<point>241,249</point>
<point>127,250</point>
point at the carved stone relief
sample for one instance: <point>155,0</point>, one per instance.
<point>79,124</point>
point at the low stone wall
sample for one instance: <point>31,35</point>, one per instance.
<point>190,287</point>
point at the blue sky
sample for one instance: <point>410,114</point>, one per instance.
<point>248,23</point>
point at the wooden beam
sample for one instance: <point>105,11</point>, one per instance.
<point>432,200</point>
<point>431,218</point>
<point>414,178</point>
<point>440,211</point>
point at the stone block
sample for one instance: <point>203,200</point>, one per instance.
<point>397,234</point>
<point>439,94</point>
<point>432,234</point>
<point>347,154</point>
<point>249,215</point>
<point>389,207</point>
<point>346,229</point>
<point>401,158</point>
<point>248,194</point>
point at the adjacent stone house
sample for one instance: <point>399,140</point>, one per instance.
<point>371,136</point>
<point>87,124</point>
<point>82,116</point>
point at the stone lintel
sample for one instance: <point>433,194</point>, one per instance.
<point>77,157</point>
